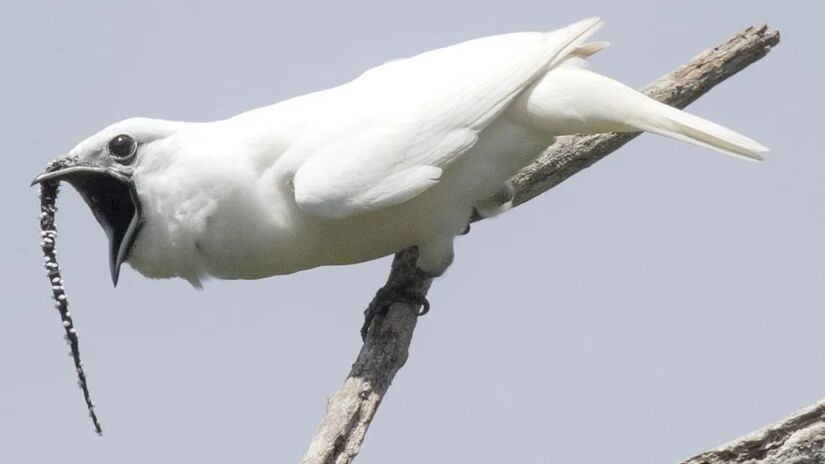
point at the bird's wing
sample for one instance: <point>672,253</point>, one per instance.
<point>393,130</point>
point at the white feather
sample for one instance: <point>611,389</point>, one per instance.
<point>400,156</point>
<point>571,100</point>
<point>424,111</point>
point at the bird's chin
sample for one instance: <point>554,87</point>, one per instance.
<point>112,198</point>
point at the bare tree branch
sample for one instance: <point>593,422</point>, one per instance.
<point>798,439</point>
<point>350,410</point>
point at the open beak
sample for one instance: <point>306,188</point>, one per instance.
<point>110,194</point>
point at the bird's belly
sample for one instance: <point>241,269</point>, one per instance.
<point>250,238</point>
<point>257,252</point>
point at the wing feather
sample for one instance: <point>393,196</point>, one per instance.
<point>392,130</point>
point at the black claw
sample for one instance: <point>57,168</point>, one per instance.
<point>365,327</point>
<point>372,310</point>
<point>425,305</point>
<point>385,297</point>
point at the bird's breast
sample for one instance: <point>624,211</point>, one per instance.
<point>233,222</point>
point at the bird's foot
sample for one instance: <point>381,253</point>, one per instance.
<point>392,292</point>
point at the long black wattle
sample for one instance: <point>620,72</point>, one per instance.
<point>114,204</point>
<point>48,233</point>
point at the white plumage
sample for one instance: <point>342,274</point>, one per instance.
<point>400,156</point>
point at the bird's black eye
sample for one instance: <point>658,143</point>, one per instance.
<point>122,146</point>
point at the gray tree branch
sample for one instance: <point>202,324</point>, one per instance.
<point>351,409</point>
<point>797,439</point>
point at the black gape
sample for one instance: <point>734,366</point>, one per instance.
<point>402,286</point>
<point>48,234</point>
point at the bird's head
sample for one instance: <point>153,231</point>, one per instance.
<point>102,167</point>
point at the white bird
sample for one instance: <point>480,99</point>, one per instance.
<point>401,156</point>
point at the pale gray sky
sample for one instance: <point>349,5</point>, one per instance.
<point>658,304</point>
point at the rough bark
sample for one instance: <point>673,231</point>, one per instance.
<point>798,439</point>
<point>385,350</point>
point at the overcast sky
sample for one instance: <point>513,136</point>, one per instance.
<point>660,303</point>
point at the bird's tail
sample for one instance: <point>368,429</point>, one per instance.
<point>570,99</point>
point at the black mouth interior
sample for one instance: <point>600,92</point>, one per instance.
<point>110,199</point>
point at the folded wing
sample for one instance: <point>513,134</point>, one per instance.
<point>396,127</point>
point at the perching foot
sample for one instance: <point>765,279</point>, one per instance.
<point>393,292</point>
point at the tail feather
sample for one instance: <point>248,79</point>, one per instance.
<point>585,50</point>
<point>571,99</point>
<point>684,126</point>
<point>570,39</point>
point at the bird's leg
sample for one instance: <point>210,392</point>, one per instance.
<point>407,283</point>
<point>403,288</point>
<point>412,271</point>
